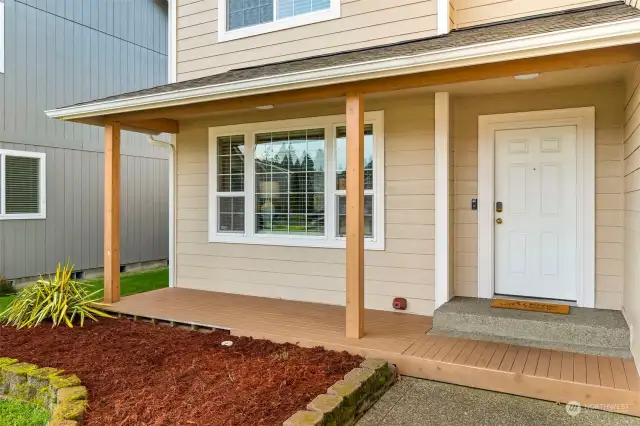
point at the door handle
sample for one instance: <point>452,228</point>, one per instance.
<point>499,220</point>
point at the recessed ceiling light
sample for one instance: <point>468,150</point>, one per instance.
<point>264,107</point>
<point>527,76</point>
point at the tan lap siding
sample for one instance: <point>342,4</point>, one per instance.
<point>363,23</point>
<point>476,12</point>
<point>404,269</point>
<point>609,101</point>
<point>632,207</point>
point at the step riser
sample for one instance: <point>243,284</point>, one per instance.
<point>624,353</point>
<point>573,334</point>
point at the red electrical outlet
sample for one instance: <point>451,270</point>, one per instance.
<point>400,303</point>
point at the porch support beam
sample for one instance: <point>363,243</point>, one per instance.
<point>112,212</point>
<point>149,126</point>
<point>542,64</point>
<point>355,216</point>
<point>443,226</point>
<point>154,126</point>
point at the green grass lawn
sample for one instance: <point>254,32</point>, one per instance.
<point>16,413</point>
<point>130,283</point>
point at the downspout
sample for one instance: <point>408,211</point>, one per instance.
<point>172,203</point>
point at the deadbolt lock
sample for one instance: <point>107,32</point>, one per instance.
<point>499,220</point>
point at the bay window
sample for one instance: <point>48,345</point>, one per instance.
<point>284,182</point>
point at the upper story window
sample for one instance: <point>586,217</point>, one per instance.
<point>284,182</point>
<point>245,18</point>
<point>245,13</point>
<point>22,185</point>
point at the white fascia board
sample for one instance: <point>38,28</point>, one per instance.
<point>585,38</point>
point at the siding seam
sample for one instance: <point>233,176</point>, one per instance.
<point>89,27</point>
<point>297,41</point>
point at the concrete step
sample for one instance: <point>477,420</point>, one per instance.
<point>589,331</point>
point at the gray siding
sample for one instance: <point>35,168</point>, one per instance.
<point>60,52</point>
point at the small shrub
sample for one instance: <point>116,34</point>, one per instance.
<point>6,287</point>
<point>59,299</point>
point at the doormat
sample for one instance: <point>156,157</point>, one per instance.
<point>524,305</point>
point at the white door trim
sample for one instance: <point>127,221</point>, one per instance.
<point>584,120</point>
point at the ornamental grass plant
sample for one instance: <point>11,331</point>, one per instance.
<point>59,299</point>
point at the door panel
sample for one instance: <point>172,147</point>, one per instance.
<point>535,245</point>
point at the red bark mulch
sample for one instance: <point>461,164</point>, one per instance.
<point>141,374</point>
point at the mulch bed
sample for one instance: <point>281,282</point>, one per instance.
<point>143,374</point>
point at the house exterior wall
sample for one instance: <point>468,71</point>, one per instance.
<point>64,52</point>
<point>634,3</point>
<point>404,269</point>
<point>608,101</point>
<point>362,23</point>
<point>476,12</point>
<point>631,304</point>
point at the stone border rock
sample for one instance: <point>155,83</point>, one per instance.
<point>347,400</point>
<point>60,394</point>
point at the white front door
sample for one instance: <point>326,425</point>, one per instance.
<point>536,231</point>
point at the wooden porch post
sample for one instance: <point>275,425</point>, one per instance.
<point>112,212</point>
<point>355,216</point>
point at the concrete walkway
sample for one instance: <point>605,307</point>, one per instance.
<point>416,402</point>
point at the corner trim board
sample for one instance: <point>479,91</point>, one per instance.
<point>172,44</point>
<point>442,7</point>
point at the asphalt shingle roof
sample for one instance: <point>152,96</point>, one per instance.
<point>540,24</point>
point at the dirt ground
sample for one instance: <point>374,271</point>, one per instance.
<point>143,374</point>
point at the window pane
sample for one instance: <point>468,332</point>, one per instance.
<point>320,4</point>
<point>341,157</point>
<point>22,185</point>
<point>368,216</point>
<point>289,8</point>
<point>231,214</point>
<point>245,13</point>
<point>289,176</point>
<point>230,163</point>
<point>315,224</point>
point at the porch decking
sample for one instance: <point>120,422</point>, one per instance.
<point>607,383</point>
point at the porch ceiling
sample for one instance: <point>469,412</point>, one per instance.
<point>539,44</point>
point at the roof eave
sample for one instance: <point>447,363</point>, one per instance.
<point>585,38</point>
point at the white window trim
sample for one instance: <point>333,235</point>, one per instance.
<point>584,120</point>
<point>2,26</point>
<point>329,239</point>
<point>276,25</point>
<point>43,185</point>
